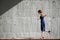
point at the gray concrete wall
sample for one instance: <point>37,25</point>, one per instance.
<point>21,20</point>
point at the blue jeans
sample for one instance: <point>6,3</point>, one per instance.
<point>42,25</point>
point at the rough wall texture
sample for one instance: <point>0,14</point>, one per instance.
<point>21,20</point>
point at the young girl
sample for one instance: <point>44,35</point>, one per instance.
<point>42,15</point>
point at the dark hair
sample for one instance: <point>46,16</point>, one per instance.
<point>39,11</point>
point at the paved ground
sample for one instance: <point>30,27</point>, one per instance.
<point>29,39</point>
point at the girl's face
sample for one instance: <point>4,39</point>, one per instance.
<point>39,13</point>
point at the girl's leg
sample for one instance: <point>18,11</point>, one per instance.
<point>44,28</point>
<point>48,31</point>
<point>42,34</point>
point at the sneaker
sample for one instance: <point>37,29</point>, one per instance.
<point>49,32</point>
<point>42,38</point>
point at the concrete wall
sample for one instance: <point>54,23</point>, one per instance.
<point>5,5</point>
<point>21,20</point>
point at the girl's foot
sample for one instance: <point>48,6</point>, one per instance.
<point>42,38</point>
<point>49,32</point>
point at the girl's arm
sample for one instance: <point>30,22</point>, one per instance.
<point>39,17</point>
<point>44,15</point>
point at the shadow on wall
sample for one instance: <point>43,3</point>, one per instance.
<point>5,5</point>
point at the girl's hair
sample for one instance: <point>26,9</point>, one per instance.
<point>39,11</point>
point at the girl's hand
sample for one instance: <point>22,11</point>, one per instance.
<point>38,19</point>
<point>45,15</point>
